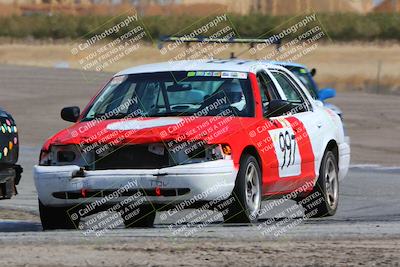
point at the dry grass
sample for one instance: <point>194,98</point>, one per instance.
<point>344,66</point>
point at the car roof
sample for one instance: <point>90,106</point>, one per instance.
<point>241,65</point>
<point>283,63</point>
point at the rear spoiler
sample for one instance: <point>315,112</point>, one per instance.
<point>207,40</point>
<point>184,39</point>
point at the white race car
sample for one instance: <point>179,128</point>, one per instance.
<point>189,133</point>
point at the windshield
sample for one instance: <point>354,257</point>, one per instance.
<point>183,93</point>
<point>303,75</point>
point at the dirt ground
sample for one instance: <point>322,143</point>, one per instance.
<point>191,252</point>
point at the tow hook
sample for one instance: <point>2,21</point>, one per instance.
<point>79,173</point>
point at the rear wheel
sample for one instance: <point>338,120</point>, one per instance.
<point>324,199</point>
<point>247,193</point>
<point>142,216</point>
<point>53,218</point>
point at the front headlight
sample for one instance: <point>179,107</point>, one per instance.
<point>45,158</point>
<point>214,152</point>
<point>59,155</point>
<point>185,153</point>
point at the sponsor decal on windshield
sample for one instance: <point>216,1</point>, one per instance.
<point>234,74</point>
<point>223,74</point>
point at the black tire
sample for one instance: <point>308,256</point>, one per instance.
<point>324,199</point>
<point>142,216</point>
<point>53,218</point>
<point>239,211</point>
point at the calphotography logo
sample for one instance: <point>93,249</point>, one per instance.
<point>123,37</point>
<point>294,40</point>
<point>217,28</point>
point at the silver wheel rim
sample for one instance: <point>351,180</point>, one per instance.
<point>331,183</point>
<point>253,193</point>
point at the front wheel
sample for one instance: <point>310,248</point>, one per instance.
<point>324,199</point>
<point>53,218</point>
<point>246,194</point>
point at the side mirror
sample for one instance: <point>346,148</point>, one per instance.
<point>326,93</point>
<point>70,113</point>
<point>319,103</point>
<point>313,72</point>
<point>278,107</point>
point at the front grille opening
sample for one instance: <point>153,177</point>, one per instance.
<point>66,156</point>
<point>149,156</point>
<point>198,152</point>
<point>132,157</point>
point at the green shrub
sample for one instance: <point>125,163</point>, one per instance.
<point>343,27</point>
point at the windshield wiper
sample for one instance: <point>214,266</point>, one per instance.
<point>172,113</point>
<point>106,117</point>
<point>110,117</point>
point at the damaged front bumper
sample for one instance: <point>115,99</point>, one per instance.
<point>70,185</point>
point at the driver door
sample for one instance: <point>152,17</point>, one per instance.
<point>276,142</point>
<point>297,139</point>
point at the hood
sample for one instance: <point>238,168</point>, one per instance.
<point>148,130</point>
